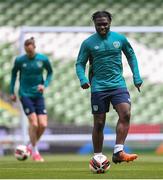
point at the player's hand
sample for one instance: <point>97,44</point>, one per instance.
<point>85,86</point>
<point>138,86</point>
<point>13,97</point>
<point>40,88</point>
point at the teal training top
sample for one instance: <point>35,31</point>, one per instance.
<point>31,72</point>
<point>105,57</point>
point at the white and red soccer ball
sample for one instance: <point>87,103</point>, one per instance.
<point>99,164</point>
<point>21,152</point>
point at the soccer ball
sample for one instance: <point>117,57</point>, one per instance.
<point>99,164</point>
<point>21,152</point>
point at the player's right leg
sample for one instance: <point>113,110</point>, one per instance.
<point>100,105</point>
<point>99,109</point>
<point>29,109</point>
<point>97,133</point>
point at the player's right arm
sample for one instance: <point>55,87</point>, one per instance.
<point>14,71</point>
<point>82,60</point>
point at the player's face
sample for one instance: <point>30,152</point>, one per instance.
<point>30,50</point>
<point>102,25</point>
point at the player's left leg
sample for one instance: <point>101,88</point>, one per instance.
<point>42,124</point>
<point>123,123</point>
<point>122,128</point>
<point>41,116</point>
<point>33,127</point>
<point>122,105</point>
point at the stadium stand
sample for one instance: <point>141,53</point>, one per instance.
<point>49,13</point>
<point>23,12</point>
<point>9,115</point>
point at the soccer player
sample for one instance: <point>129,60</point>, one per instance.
<point>31,67</point>
<point>104,50</point>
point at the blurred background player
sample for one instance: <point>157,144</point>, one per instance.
<point>104,50</point>
<point>32,85</point>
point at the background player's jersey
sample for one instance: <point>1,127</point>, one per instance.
<point>106,61</point>
<point>31,74</point>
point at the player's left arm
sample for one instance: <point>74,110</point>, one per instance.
<point>133,63</point>
<point>49,70</point>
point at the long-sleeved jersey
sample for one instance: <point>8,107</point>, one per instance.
<point>31,71</point>
<point>105,56</point>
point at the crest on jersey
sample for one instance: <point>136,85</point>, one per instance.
<point>116,44</point>
<point>24,65</point>
<point>96,47</point>
<point>95,107</point>
<point>39,64</point>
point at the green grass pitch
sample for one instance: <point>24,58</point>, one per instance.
<point>147,166</point>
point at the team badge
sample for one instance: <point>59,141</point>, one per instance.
<point>39,64</point>
<point>27,110</point>
<point>96,47</point>
<point>95,107</point>
<point>24,65</point>
<point>45,111</point>
<point>116,44</point>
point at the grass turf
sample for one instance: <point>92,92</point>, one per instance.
<point>147,166</point>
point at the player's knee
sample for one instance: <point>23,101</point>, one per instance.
<point>34,125</point>
<point>99,122</point>
<point>126,116</point>
<point>43,125</point>
<point>99,126</point>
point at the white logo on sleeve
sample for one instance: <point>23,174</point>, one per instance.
<point>129,100</point>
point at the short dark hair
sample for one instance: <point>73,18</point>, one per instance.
<point>29,41</point>
<point>98,14</point>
